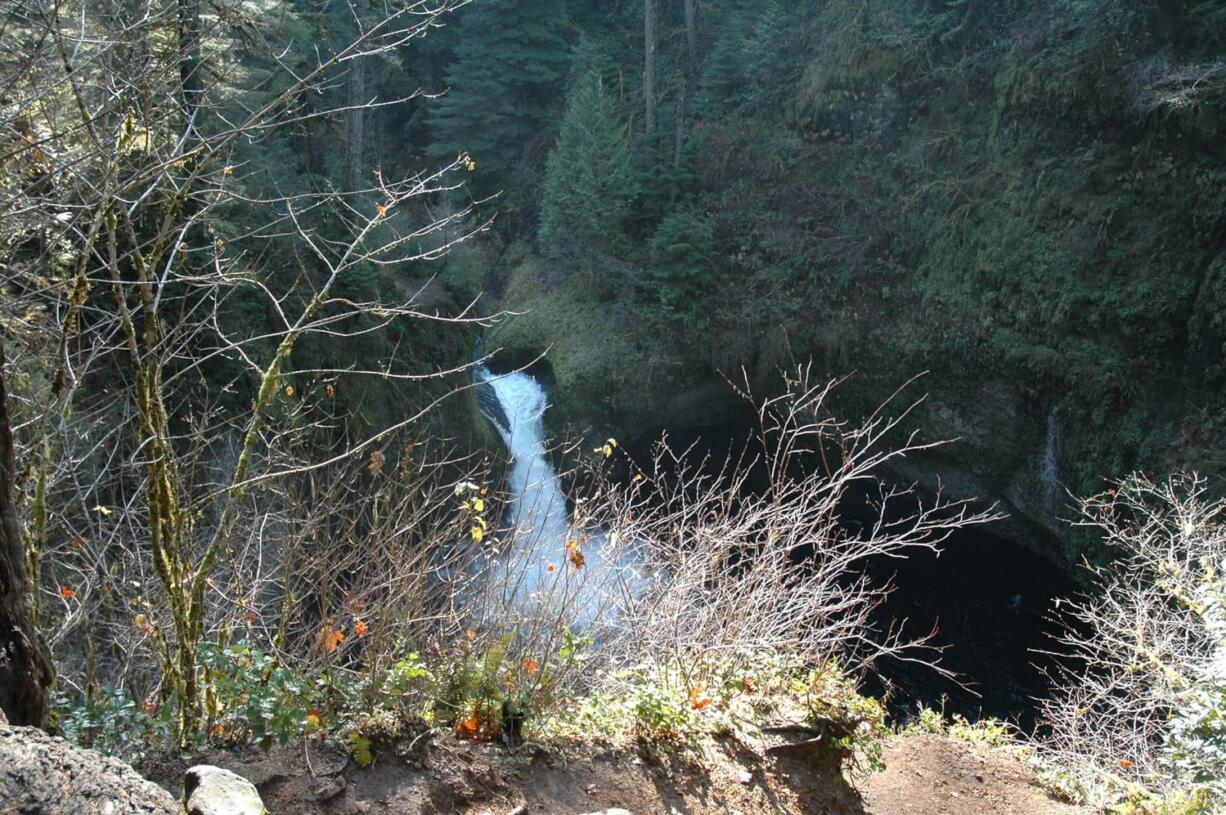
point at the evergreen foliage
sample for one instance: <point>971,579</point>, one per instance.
<point>588,185</point>
<point>504,84</point>
<point>683,260</point>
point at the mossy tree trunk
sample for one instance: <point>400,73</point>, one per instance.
<point>26,671</point>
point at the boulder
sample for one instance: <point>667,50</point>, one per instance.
<point>43,774</point>
<point>209,790</point>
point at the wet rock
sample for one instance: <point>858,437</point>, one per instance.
<point>209,790</point>
<point>41,773</point>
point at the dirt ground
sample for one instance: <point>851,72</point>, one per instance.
<point>924,775</point>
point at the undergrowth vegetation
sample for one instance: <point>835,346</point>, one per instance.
<point>681,606</point>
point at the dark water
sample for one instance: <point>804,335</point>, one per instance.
<point>992,604</point>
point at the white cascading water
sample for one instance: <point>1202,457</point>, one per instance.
<point>1050,467</point>
<point>535,566</point>
<point>539,509</point>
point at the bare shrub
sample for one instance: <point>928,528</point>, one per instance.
<point>1147,707</point>
<point>706,564</point>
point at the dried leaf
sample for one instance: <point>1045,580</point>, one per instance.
<point>574,553</point>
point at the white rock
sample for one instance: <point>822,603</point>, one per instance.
<point>209,790</point>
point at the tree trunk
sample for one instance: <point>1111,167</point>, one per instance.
<point>649,64</point>
<point>191,67</point>
<point>356,116</point>
<point>25,665</point>
<point>679,136</point>
<point>357,122</point>
<point>691,35</point>
<point>691,78</point>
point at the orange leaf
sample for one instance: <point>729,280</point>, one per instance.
<point>471,635</point>
<point>78,542</point>
<point>531,665</point>
<point>470,727</point>
<point>1126,764</point>
<point>67,593</point>
<point>289,390</point>
<point>382,210</point>
<point>359,627</point>
<point>330,637</point>
<point>330,390</point>
<point>699,699</point>
<point>314,718</point>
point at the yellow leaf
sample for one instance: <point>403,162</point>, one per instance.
<point>478,505</point>
<point>314,719</point>
<point>478,533</point>
<point>104,511</point>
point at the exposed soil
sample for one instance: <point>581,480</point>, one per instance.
<point>925,775</point>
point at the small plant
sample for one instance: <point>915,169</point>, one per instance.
<point>987,732</point>
<point>664,717</point>
<point>112,722</point>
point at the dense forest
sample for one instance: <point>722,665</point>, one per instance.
<point>1024,200</point>
<point>268,269</point>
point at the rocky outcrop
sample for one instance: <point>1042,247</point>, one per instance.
<point>209,790</point>
<point>43,774</point>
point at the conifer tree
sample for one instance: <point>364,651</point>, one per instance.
<point>506,79</point>
<point>588,182</point>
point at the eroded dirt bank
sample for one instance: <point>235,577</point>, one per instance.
<point>924,775</point>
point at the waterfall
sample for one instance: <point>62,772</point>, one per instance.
<point>538,507</point>
<point>534,567</point>
<point>1049,472</point>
